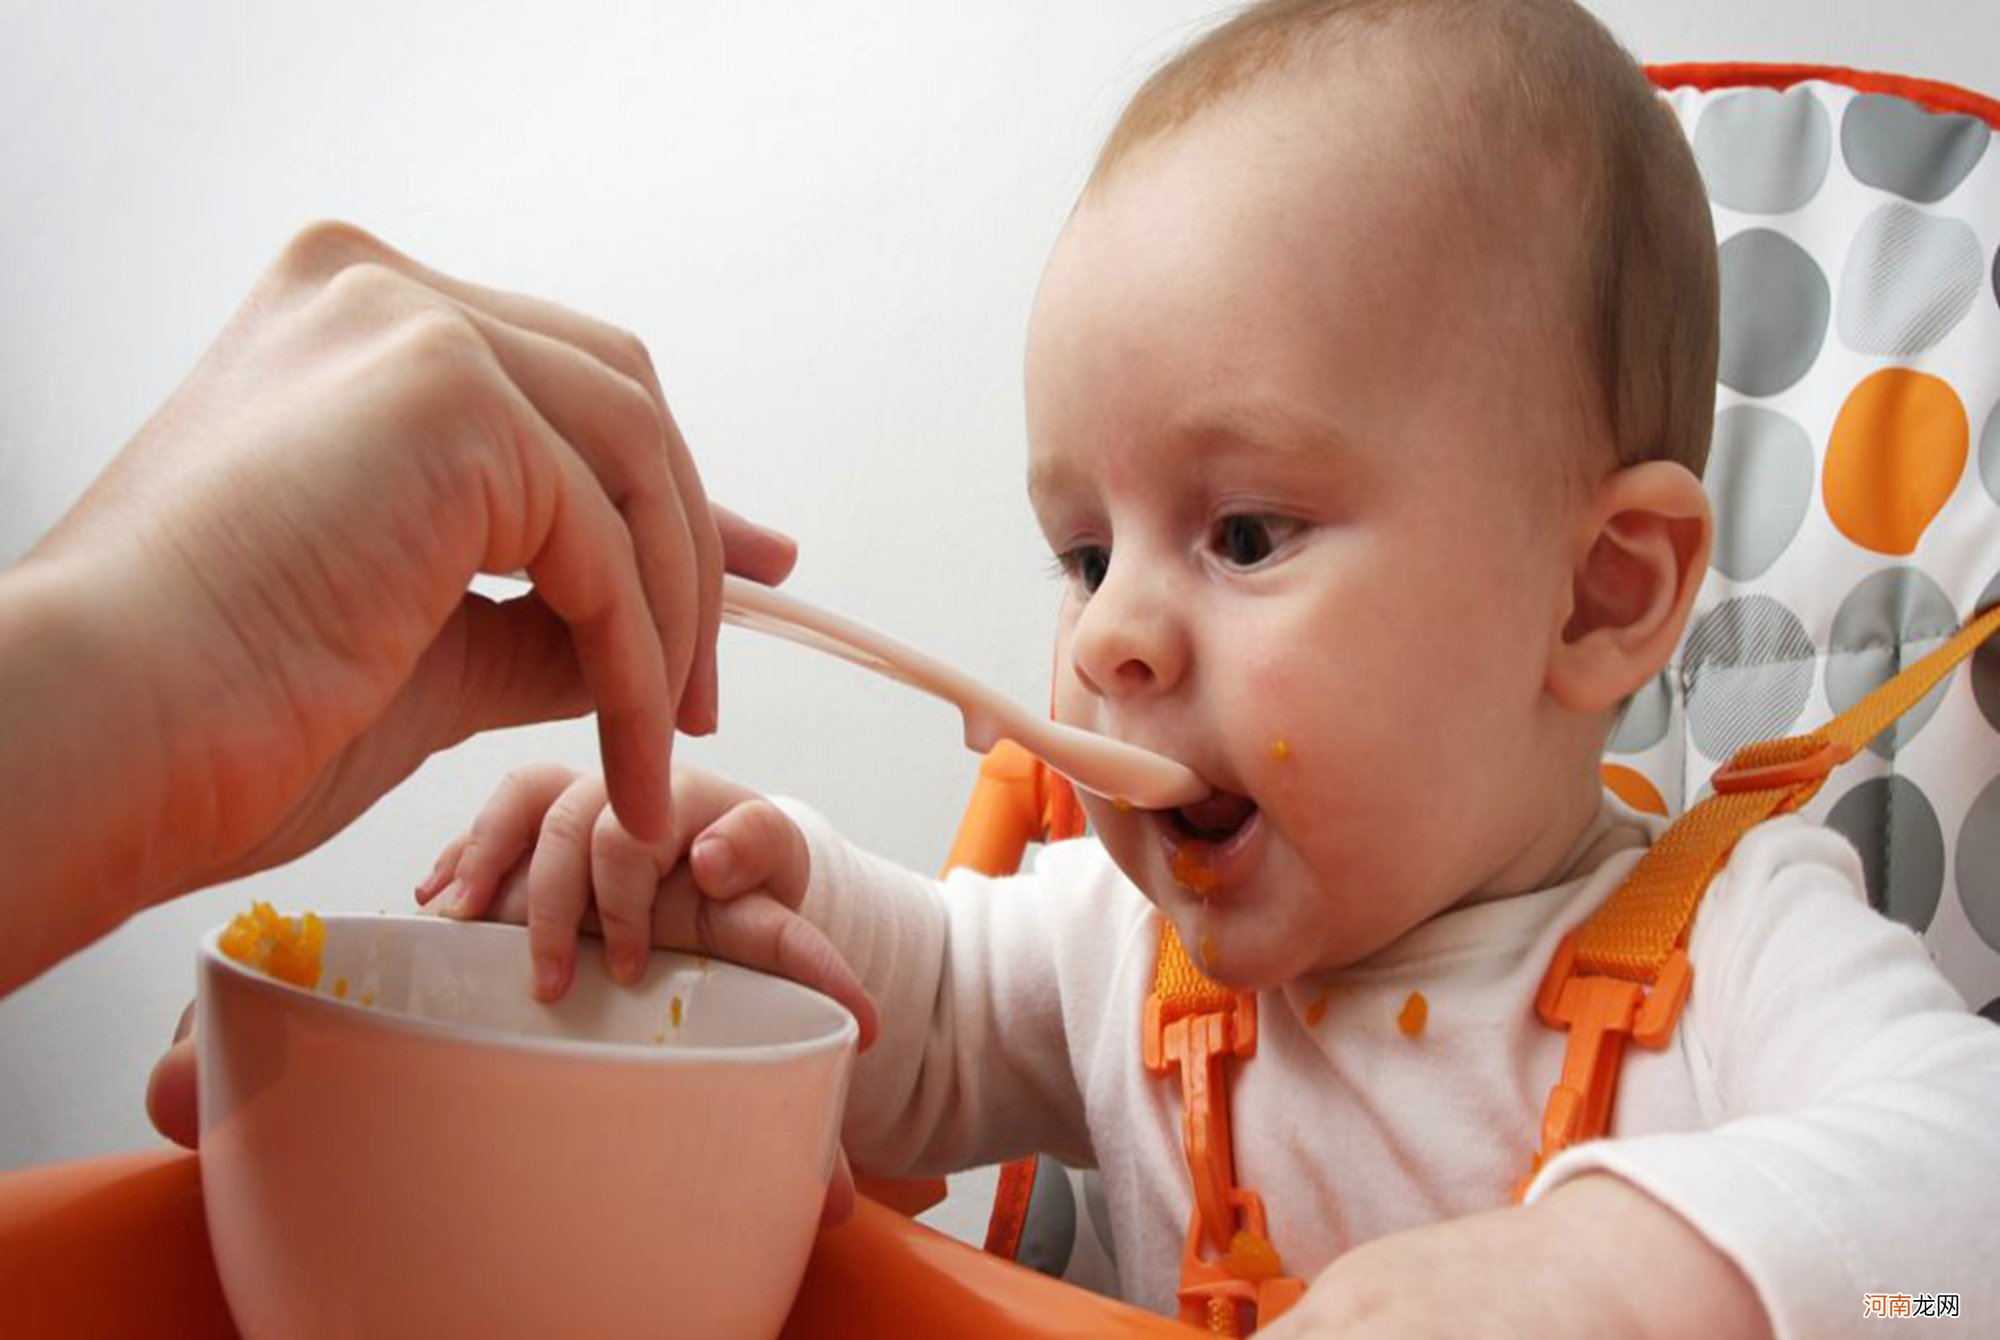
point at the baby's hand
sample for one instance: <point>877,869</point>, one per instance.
<point>547,850</point>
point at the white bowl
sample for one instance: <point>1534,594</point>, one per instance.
<point>438,1155</point>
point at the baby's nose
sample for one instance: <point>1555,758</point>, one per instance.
<point>1128,640</point>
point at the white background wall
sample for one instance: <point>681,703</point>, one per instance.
<point>827,221</point>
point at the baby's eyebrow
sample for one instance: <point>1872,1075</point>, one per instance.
<point>1275,426</point>
<point>1049,480</point>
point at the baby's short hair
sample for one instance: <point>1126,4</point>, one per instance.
<point>1543,77</point>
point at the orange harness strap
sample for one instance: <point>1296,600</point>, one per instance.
<point>1232,1280</point>
<point>1624,972</point>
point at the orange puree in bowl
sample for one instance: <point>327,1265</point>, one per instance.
<point>287,948</point>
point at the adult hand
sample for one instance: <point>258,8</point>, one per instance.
<point>257,621</point>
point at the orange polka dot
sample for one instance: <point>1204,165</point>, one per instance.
<point>1896,453</point>
<point>1631,786</point>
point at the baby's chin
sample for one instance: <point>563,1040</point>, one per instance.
<point>1238,948</point>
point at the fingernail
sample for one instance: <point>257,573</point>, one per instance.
<point>548,977</point>
<point>440,870</point>
<point>627,964</point>
<point>451,898</point>
<point>715,858</point>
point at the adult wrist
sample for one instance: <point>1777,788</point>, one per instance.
<point>84,773</point>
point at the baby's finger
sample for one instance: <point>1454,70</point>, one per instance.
<point>559,884</point>
<point>442,869</point>
<point>753,846</point>
<point>625,878</point>
<point>759,932</point>
<point>501,835</point>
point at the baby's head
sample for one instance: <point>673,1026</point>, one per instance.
<point>1368,390</point>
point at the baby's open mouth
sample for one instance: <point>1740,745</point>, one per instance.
<point>1217,819</point>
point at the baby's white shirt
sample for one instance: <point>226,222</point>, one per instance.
<point>1827,1113</point>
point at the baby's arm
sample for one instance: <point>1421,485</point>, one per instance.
<point>1850,1097</point>
<point>1595,1257</point>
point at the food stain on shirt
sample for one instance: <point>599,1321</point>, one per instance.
<point>1316,1010</point>
<point>1281,750</point>
<point>1416,1010</point>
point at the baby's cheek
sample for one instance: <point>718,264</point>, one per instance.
<point>1280,722</point>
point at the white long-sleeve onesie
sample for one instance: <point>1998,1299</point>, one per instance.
<point>1828,1112</point>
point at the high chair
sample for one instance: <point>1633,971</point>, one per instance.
<point>1855,475</point>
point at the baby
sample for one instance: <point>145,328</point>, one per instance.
<point>1368,389</point>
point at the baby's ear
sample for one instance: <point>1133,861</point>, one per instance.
<point>1641,553</point>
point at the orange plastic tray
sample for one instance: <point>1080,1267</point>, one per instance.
<point>118,1247</point>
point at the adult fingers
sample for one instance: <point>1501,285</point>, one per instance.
<point>603,535</point>
<point>502,833</point>
<point>752,550</point>
<point>752,847</point>
<point>686,596</point>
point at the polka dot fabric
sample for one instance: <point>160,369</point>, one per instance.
<point>1855,474</point>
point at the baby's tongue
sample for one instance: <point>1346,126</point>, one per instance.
<point>1217,817</point>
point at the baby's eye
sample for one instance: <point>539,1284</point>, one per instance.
<point>1086,564</point>
<point>1247,540</point>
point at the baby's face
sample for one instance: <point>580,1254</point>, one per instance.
<point>1291,439</point>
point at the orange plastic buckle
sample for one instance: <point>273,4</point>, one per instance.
<point>1197,1043</point>
<point>1736,775</point>
<point>1600,1012</point>
<point>1208,1282</point>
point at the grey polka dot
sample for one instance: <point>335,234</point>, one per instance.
<point>1985,670</point>
<point>1760,482</point>
<point>1763,151</point>
<point>1977,860</point>
<point>1886,622</point>
<point>1909,278</point>
<point>1901,845</point>
<point>1894,145</point>
<point>1644,722</point>
<point>1989,453</point>
<point>1774,310</point>
<point>1748,667</point>
<point>1048,1230</point>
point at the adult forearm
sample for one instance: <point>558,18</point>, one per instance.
<point>83,774</point>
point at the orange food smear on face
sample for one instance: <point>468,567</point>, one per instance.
<point>1252,1258</point>
<point>1415,1011</point>
<point>1316,1011</point>
<point>1191,874</point>
<point>1281,751</point>
<point>1122,805</point>
<point>287,949</point>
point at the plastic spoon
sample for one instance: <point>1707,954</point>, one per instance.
<point>1094,762</point>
